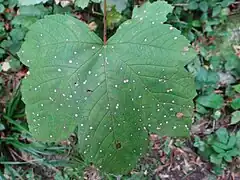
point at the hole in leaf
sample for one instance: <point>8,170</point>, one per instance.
<point>89,91</point>
<point>118,145</point>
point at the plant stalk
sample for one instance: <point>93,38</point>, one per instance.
<point>105,23</point>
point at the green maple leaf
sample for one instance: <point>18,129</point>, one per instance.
<point>116,93</point>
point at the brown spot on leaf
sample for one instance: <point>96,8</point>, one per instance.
<point>179,115</point>
<point>118,145</point>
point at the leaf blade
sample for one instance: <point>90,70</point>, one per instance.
<point>113,101</point>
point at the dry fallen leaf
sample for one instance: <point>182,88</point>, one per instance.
<point>5,66</point>
<point>92,26</point>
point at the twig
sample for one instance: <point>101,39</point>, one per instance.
<point>105,23</point>
<point>10,53</point>
<point>180,5</point>
<point>17,155</point>
<point>95,12</point>
<point>184,23</point>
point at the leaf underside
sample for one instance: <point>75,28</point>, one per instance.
<point>116,94</point>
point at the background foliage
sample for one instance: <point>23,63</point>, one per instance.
<point>213,29</point>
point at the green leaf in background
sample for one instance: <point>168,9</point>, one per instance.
<point>233,152</point>
<point>215,62</point>
<point>14,64</point>
<point>193,5</point>
<point>203,5</point>
<point>206,78</point>
<point>215,159</point>
<point>2,8</point>
<point>216,10</point>
<point>226,3</point>
<point>236,103</point>
<point>84,3</point>
<point>227,158</point>
<point>201,109</point>
<point>2,52</point>
<point>233,62</point>
<point>11,3</point>
<point>17,34</point>
<point>24,21</point>
<point>2,127</point>
<point>113,18</point>
<point>199,144</point>
<point>235,117</point>
<point>33,11</point>
<point>196,23</point>
<point>81,3</point>
<point>217,149</point>
<point>222,135</point>
<point>135,84</point>
<point>231,141</point>
<point>220,145</point>
<point>30,2</point>
<point>213,100</point>
<point>237,88</point>
<point>204,18</point>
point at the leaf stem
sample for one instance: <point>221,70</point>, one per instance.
<point>105,23</point>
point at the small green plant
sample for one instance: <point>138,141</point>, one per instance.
<point>224,146</point>
<point>114,91</point>
<point>220,147</point>
<point>198,143</point>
